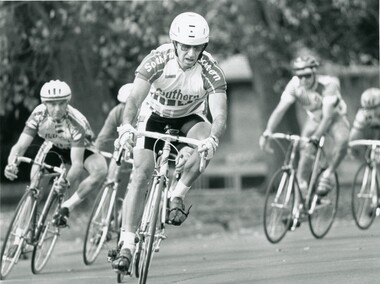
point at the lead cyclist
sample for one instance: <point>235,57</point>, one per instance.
<point>176,80</point>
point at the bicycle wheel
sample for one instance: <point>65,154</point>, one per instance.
<point>47,236</point>
<point>322,218</point>
<point>364,197</point>
<point>98,225</point>
<point>149,231</point>
<point>279,203</point>
<point>15,237</point>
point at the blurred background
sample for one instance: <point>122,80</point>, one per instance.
<point>96,46</point>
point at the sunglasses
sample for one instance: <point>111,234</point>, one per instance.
<point>305,76</point>
<point>197,48</point>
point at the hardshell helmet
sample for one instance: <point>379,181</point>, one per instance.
<point>55,90</point>
<point>304,62</point>
<point>370,98</point>
<point>124,92</point>
<point>189,28</point>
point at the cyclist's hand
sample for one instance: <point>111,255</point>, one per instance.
<point>11,171</point>
<point>263,142</point>
<point>314,140</point>
<point>377,155</point>
<point>209,146</point>
<point>62,185</point>
<point>182,157</point>
<point>125,137</point>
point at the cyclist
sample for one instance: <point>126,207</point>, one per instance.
<point>367,120</point>
<point>320,96</point>
<point>57,121</point>
<point>176,79</point>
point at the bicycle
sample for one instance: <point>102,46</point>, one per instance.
<point>152,226</point>
<point>105,219</point>
<point>30,226</point>
<point>286,206</point>
<point>365,187</point>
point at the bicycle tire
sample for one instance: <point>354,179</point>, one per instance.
<point>26,203</point>
<point>322,218</point>
<point>278,206</point>
<point>363,199</point>
<point>146,252</point>
<point>98,225</point>
<point>47,238</point>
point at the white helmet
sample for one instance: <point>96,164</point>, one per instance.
<point>55,90</point>
<point>189,28</point>
<point>370,98</point>
<point>124,92</point>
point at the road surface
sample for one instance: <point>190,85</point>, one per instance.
<point>345,255</point>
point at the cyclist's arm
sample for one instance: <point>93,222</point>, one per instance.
<point>277,114</point>
<point>357,132</point>
<point>20,147</point>
<point>76,156</point>
<point>140,90</point>
<point>108,132</point>
<point>328,114</point>
<point>218,110</point>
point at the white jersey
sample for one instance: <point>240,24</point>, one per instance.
<point>176,92</point>
<point>313,99</point>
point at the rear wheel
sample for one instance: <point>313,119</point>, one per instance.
<point>364,196</point>
<point>97,232</point>
<point>47,238</point>
<point>149,223</point>
<point>279,203</point>
<point>15,237</point>
<point>322,218</point>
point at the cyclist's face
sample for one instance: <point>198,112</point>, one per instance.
<point>57,109</point>
<point>306,77</point>
<point>188,54</point>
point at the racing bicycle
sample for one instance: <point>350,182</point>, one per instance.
<point>151,230</point>
<point>105,219</point>
<point>286,206</point>
<point>31,229</point>
<point>365,187</point>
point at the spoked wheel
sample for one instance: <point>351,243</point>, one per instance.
<point>97,232</point>
<point>149,232</point>
<point>14,241</point>
<point>364,196</point>
<point>279,202</point>
<point>47,238</point>
<point>322,218</point>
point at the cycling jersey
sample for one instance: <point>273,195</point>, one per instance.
<point>72,130</point>
<point>176,92</point>
<point>108,133</point>
<point>312,99</point>
<point>366,119</point>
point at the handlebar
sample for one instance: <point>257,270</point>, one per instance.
<point>168,137</point>
<point>364,142</point>
<point>289,137</point>
<point>27,160</point>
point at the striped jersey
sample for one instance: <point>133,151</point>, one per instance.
<point>366,118</point>
<point>324,88</point>
<point>176,92</point>
<point>72,130</point>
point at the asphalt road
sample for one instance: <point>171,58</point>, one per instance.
<point>345,255</point>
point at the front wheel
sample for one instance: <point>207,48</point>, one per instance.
<point>364,196</point>
<point>97,232</point>
<point>325,208</point>
<point>279,203</point>
<point>48,236</point>
<point>15,237</point>
<point>148,231</point>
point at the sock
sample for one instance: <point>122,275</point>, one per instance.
<point>128,239</point>
<point>72,201</point>
<point>179,191</point>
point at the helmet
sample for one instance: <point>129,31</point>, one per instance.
<point>370,98</point>
<point>124,92</point>
<point>55,90</point>
<point>304,62</point>
<point>189,28</point>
